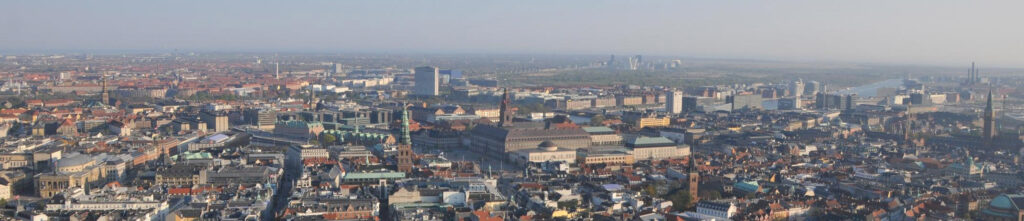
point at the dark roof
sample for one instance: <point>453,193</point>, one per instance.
<point>713,205</point>
<point>503,133</point>
<point>190,212</point>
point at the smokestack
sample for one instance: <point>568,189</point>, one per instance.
<point>972,74</point>
<point>977,76</point>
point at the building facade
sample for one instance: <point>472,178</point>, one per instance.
<point>427,81</point>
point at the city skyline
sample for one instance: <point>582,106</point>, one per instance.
<point>908,32</point>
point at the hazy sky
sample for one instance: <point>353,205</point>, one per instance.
<point>940,32</point>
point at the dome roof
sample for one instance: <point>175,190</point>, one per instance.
<point>547,145</point>
<point>1001,202</point>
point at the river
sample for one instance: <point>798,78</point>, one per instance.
<point>871,90</point>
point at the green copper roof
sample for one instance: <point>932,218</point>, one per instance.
<point>405,139</point>
<point>1001,202</point>
<point>651,140</point>
<point>598,130</point>
<point>748,186</point>
<point>419,205</point>
<point>295,123</point>
<point>375,175</point>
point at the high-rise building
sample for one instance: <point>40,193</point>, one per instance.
<point>789,103</point>
<point>427,81</point>
<point>674,102</point>
<point>691,103</point>
<point>849,102</point>
<point>336,69</point>
<point>745,101</point>
<point>812,88</point>
<point>215,121</point>
<point>261,118</point>
<point>635,62</point>
<point>825,101</point>
<point>797,88</point>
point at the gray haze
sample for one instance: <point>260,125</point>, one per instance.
<point>949,33</point>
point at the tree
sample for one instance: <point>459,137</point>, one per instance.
<point>680,199</point>
<point>597,120</point>
<point>570,205</point>
<point>314,141</point>
<point>651,189</point>
<point>329,139</point>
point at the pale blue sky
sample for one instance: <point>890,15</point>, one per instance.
<point>942,32</point>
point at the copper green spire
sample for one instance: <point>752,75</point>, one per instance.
<point>406,140</point>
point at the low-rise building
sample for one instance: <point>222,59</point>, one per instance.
<point>547,151</point>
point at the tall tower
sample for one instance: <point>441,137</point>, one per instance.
<point>990,118</point>
<point>970,75</point>
<point>277,70</point>
<point>977,74</point>
<point>405,153</point>
<point>104,96</point>
<point>506,114</point>
<point>312,99</point>
<point>694,178</point>
<point>635,62</point>
<point>907,126</point>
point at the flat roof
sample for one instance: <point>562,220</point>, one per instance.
<point>375,175</point>
<point>598,130</point>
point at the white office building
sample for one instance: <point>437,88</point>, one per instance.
<point>427,81</point>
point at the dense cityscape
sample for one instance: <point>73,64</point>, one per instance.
<point>462,110</point>
<point>333,137</point>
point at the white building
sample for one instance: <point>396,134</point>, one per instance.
<point>427,81</point>
<point>656,148</point>
<point>707,210</point>
<point>674,102</point>
<point>5,189</point>
<point>547,151</point>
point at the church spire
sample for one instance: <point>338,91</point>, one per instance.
<point>104,96</point>
<point>694,179</point>
<point>405,139</point>
<point>907,125</point>
<point>989,117</point>
<point>506,114</point>
<point>405,153</point>
<point>312,98</point>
